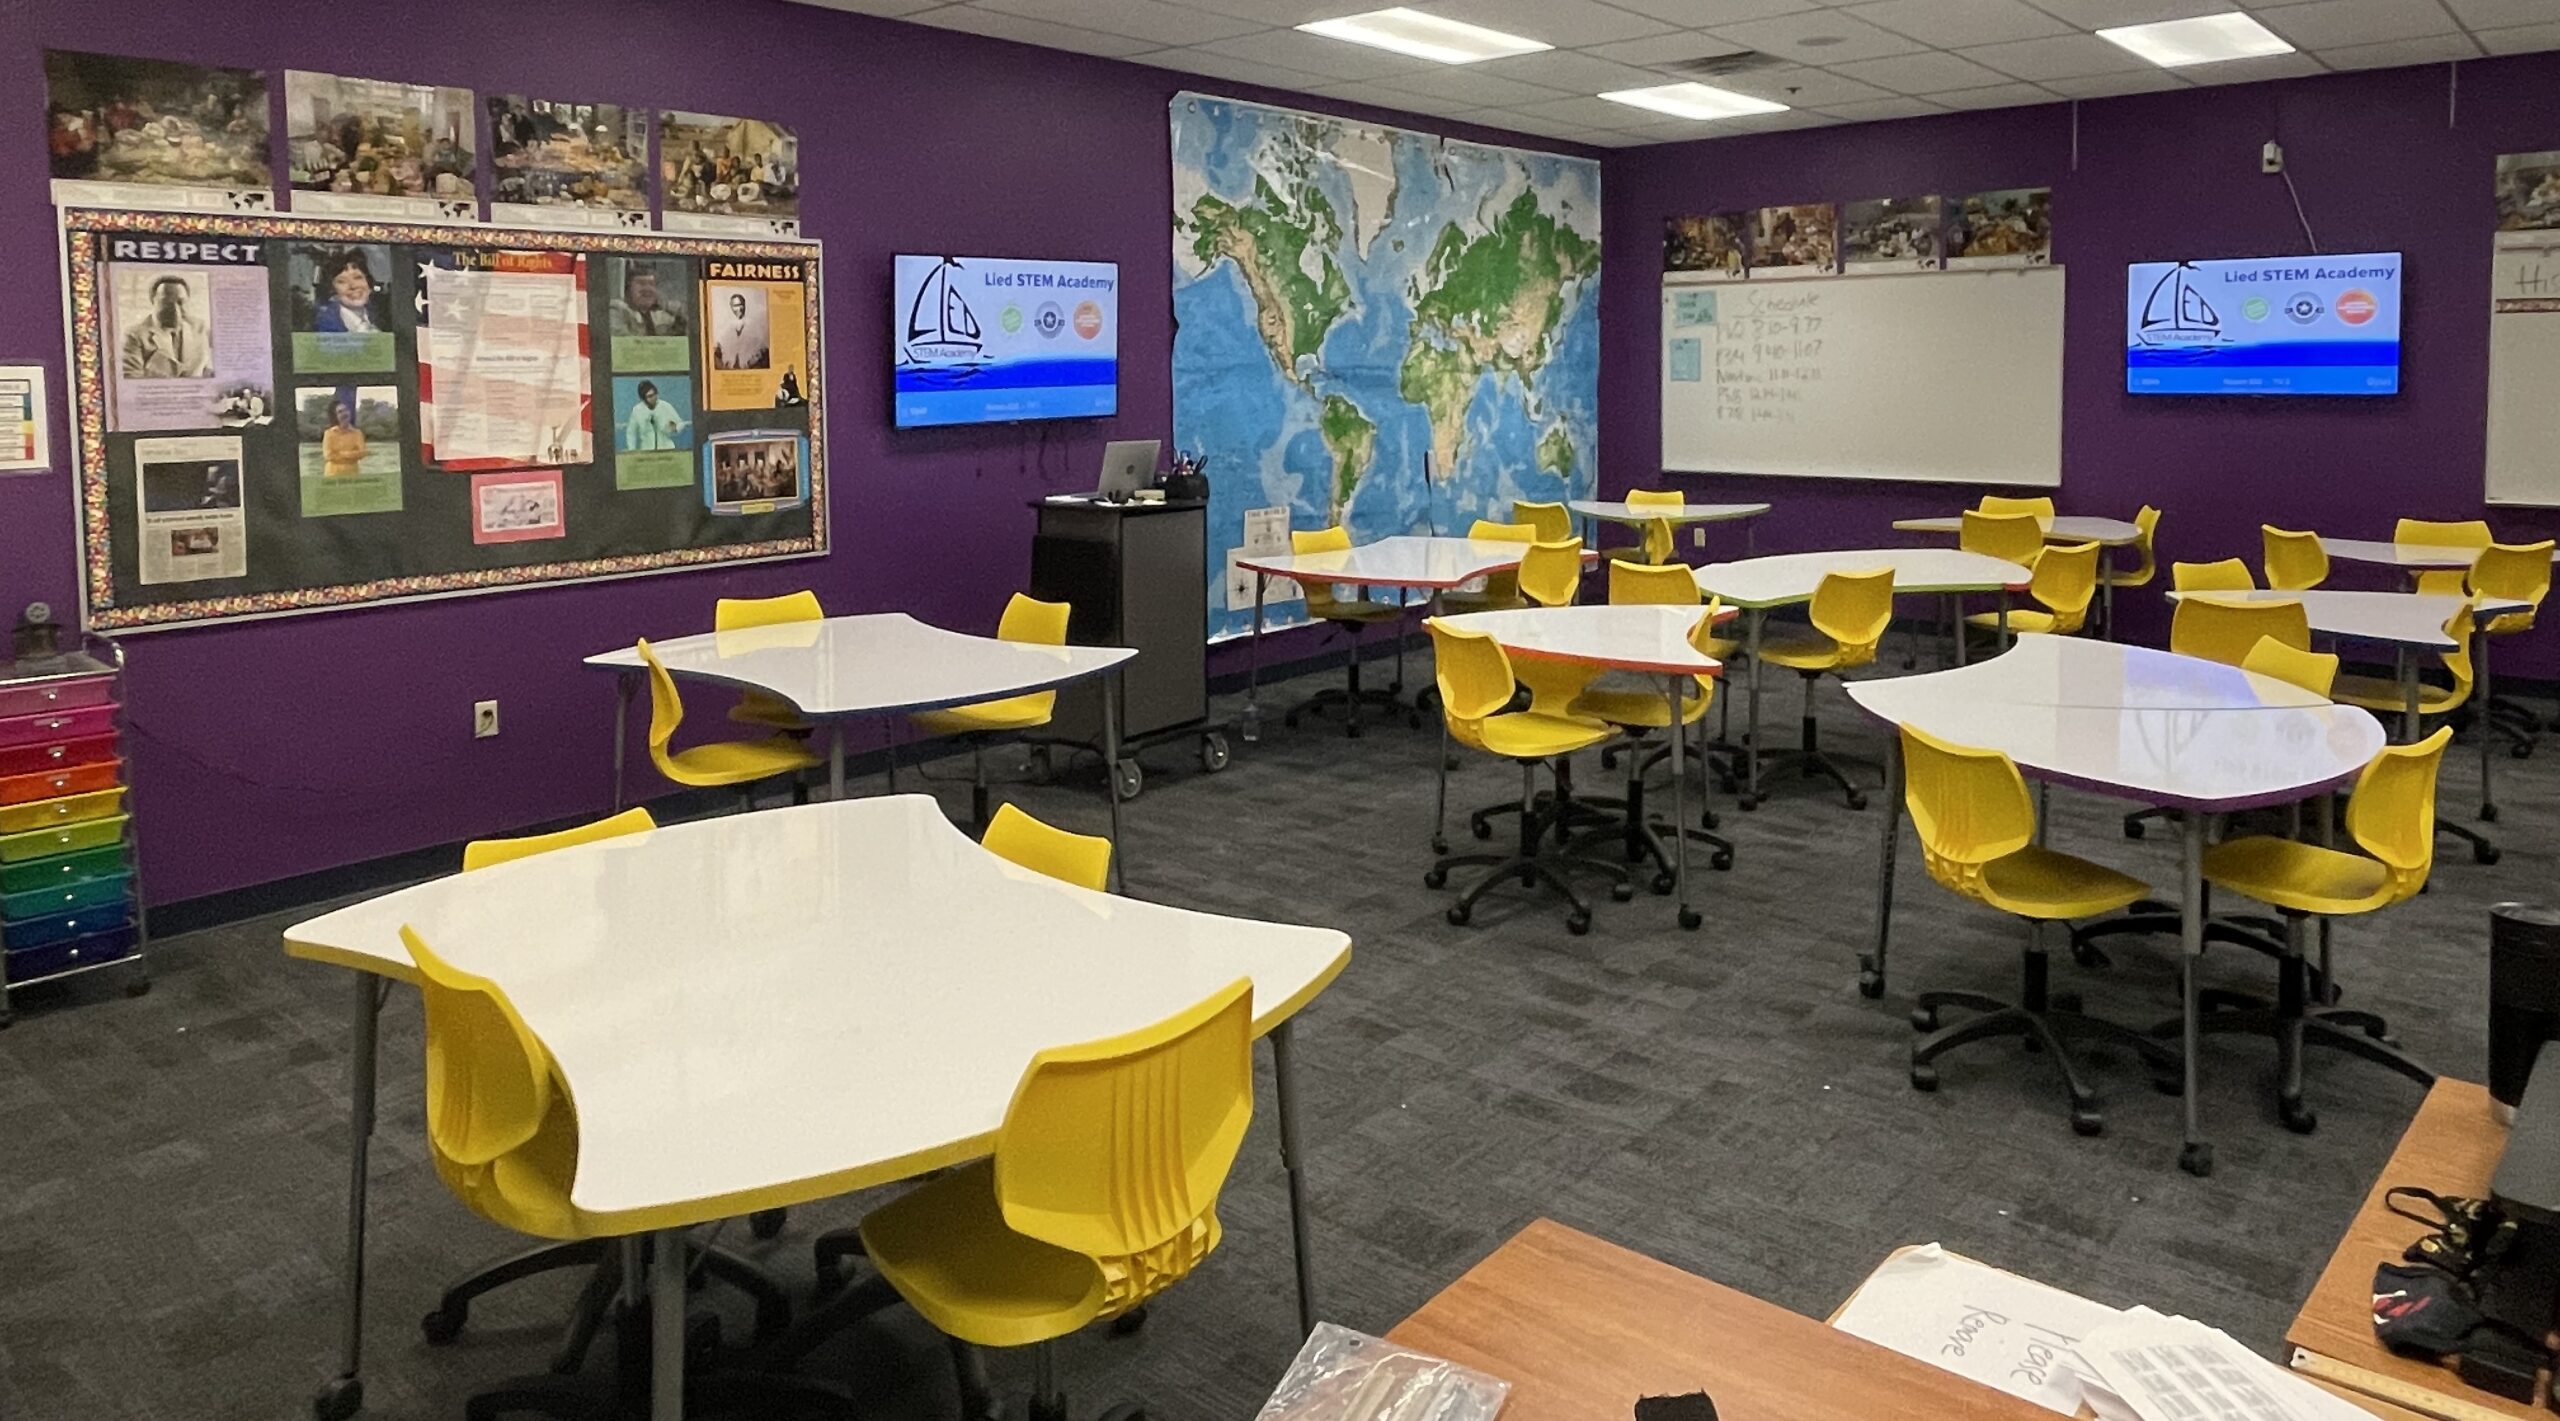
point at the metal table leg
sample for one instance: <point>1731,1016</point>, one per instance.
<point>623,682</point>
<point>1751,747</point>
<point>835,761</point>
<point>343,1395</point>
<point>1284,1075</point>
<point>666,1325</point>
<point>1111,773</point>
<point>2196,1155</point>
<point>1955,624</point>
<point>2485,725</point>
<point>2408,698</point>
<point>2004,619</point>
<point>1250,724</point>
<point>2107,592</point>
<point>1871,968</point>
<point>1689,917</point>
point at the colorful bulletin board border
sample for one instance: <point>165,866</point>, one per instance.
<point>102,609</point>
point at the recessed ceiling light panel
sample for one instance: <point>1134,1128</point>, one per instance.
<point>2206,39</point>
<point>1699,101</point>
<point>1443,41</point>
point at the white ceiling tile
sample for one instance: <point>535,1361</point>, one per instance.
<point>997,25</point>
<point>1802,87</point>
<point>2333,24</point>
<point>1213,65</point>
<point>2523,39</point>
<point>2107,86</point>
<point>1818,37</point>
<point>2103,14</point>
<point>1589,113</point>
<point>1466,83</point>
<point>2250,71</point>
<point>1273,12</point>
<point>1998,96</point>
<point>1778,122</point>
<point>1314,54</point>
<point>1657,51</point>
<point>1870,110</point>
<point>1927,73</point>
<point>1519,122</point>
<point>2500,14</point>
<point>2062,57</point>
<point>1566,24</point>
<point>1707,14</point>
<point>1951,24</point>
<point>1606,139</point>
<point>1150,20</point>
<point>1569,71</point>
<point>895,9</point>
<point>2435,49</point>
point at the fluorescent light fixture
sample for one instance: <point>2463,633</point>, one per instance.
<point>1693,101</point>
<point>1425,36</point>
<point>2206,39</point>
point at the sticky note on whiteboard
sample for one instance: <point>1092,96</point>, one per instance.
<point>1693,308</point>
<point>1688,361</point>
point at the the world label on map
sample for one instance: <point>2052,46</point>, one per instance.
<point>1355,305</point>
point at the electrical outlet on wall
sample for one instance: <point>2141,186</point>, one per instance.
<point>1698,537</point>
<point>2271,158</point>
<point>484,719</point>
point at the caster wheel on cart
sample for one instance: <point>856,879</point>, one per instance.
<point>1459,913</point>
<point>1214,753</point>
<point>1133,781</point>
<point>1690,918</point>
<point>1435,878</point>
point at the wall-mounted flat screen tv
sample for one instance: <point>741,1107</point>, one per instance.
<point>2264,326</point>
<point>995,340</point>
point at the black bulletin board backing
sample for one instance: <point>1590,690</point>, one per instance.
<point>252,508</point>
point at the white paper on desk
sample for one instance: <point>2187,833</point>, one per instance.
<point>2147,1367</point>
<point>1978,1322</point>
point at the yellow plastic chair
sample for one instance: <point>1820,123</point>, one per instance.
<point>1976,824</point>
<point>1641,707</point>
<point>721,763</point>
<point>2392,819</point>
<point>500,1124</point>
<point>1660,543</point>
<point>2225,629</point>
<point>2146,565</point>
<point>2380,693</point>
<point>2228,575</point>
<point>485,853</point>
<point>1849,614</point>
<point>2064,584</point>
<point>1081,859</point>
<point>1102,1193</point>
<point>2519,572</point>
<point>1999,505</point>
<point>1476,688</point>
<point>1553,521</point>
<point>2460,533</point>
<point>2313,671</point>
<point>2010,537</point>
<point>1551,572</point>
<point>1656,498</point>
<point>1673,585</point>
<point>737,614</point>
<point>1031,622</point>
<point>1501,589</point>
<point>1347,615</point>
<point>2295,561</point>
<point>1550,575</point>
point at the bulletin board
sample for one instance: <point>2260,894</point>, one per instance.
<point>280,415</point>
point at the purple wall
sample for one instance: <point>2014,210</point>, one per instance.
<point>2159,176</point>
<point>274,748</point>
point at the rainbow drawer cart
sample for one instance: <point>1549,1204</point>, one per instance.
<point>70,895</point>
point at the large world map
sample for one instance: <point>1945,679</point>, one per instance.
<point>1349,298</point>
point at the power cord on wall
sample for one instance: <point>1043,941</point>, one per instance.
<point>2299,214</point>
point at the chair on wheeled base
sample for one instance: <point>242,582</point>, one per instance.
<point>1350,615</point>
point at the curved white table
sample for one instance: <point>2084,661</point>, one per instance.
<point>759,1010</point>
<point>1638,515</point>
<point>874,663</point>
<point>1433,565</point>
<point>1757,584</point>
<point>1651,640</point>
<point>2135,723</point>
<point>2108,533</point>
<point>2410,557</point>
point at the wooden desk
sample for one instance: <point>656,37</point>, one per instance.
<point>2452,1147</point>
<point>1582,1328</point>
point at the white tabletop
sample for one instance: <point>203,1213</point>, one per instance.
<point>1792,577</point>
<point>2068,528</point>
<point>807,1000</point>
<point>1649,637</point>
<point>2397,618</point>
<point>1397,562</point>
<point>2410,555</point>
<point>872,664</point>
<point>1610,511</point>
<point>2137,722</point>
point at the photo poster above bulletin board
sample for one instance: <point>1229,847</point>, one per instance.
<point>279,415</point>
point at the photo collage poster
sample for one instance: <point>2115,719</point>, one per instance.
<point>290,413</point>
<point>164,135</point>
<point>2004,227</point>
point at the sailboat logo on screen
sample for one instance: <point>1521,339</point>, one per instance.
<point>940,325</point>
<point>2177,313</point>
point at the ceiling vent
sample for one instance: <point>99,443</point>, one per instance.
<point>1716,66</point>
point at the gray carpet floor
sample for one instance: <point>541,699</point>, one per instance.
<point>171,1167</point>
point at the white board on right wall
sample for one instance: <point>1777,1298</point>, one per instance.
<point>1948,376</point>
<point>2524,377</point>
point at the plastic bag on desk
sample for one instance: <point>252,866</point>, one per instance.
<point>1342,1375</point>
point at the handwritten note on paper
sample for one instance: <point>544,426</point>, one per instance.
<point>1983,1324</point>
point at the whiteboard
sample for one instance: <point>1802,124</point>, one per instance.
<point>1948,376</point>
<point>2524,377</point>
